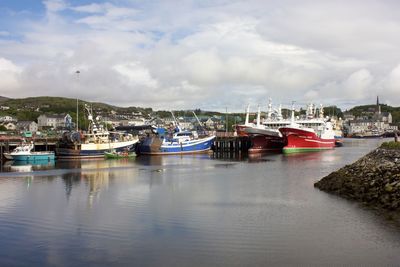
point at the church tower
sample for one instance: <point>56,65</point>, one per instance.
<point>378,107</point>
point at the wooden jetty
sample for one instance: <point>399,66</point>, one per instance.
<point>228,142</point>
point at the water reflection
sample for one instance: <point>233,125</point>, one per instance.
<point>94,174</point>
<point>147,160</point>
<point>192,210</point>
<point>24,166</point>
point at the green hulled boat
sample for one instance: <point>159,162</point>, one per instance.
<point>119,155</point>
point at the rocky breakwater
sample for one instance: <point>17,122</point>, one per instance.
<point>373,180</point>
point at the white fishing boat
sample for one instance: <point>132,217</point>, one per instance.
<point>24,152</point>
<point>95,142</point>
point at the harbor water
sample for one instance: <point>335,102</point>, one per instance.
<point>192,210</point>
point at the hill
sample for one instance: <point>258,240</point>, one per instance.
<point>369,109</point>
<point>32,107</point>
<point>3,98</point>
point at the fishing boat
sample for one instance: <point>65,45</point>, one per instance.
<point>300,138</point>
<point>369,134</point>
<point>264,138</point>
<point>241,128</point>
<point>95,142</point>
<point>24,153</point>
<point>119,155</point>
<point>176,141</point>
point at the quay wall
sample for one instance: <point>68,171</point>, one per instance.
<point>373,180</point>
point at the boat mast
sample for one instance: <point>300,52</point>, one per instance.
<point>292,115</point>
<point>247,115</point>
<point>77,105</point>
<point>258,116</point>
<point>197,119</point>
<point>173,116</point>
<point>269,109</point>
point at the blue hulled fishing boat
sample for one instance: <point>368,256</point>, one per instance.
<point>183,142</point>
<point>161,142</point>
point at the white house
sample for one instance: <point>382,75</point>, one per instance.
<point>54,121</point>
<point>7,119</point>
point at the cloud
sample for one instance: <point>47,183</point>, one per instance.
<point>136,75</point>
<point>54,5</point>
<point>206,54</point>
<point>9,73</point>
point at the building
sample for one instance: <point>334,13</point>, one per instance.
<point>371,121</point>
<point>7,119</point>
<point>27,126</point>
<point>54,121</point>
<point>11,126</point>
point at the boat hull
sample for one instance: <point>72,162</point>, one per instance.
<point>111,155</point>
<point>155,146</point>
<point>264,140</point>
<point>297,140</point>
<point>93,150</point>
<point>33,156</point>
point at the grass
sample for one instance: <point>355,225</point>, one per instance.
<point>391,145</point>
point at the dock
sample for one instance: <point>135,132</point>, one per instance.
<point>224,143</point>
<point>229,142</point>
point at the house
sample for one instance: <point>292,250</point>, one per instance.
<point>54,121</point>
<point>27,126</point>
<point>210,123</point>
<point>7,119</point>
<point>138,121</point>
<point>11,126</point>
<point>372,120</point>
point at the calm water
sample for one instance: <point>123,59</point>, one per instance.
<point>189,211</point>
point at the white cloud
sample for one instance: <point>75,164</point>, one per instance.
<point>357,84</point>
<point>91,8</point>
<point>9,73</point>
<point>198,54</point>
<point>136,75</point>
<point>55,5</point>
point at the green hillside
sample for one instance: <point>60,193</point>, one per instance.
<point>370,109</point>
<point>32,107</point>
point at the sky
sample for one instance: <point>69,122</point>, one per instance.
<point>209,54</point>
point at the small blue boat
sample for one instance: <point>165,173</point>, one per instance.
<point>182,142</point>
<point>24,153</point>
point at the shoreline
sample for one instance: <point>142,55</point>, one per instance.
<point>373,180</point>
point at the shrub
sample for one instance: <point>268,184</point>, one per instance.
<point>391,145</point>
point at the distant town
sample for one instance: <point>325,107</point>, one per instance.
<point>41,117</point>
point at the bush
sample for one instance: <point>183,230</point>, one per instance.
<point>391,145</point>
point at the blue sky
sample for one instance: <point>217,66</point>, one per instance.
<point>202,54</point>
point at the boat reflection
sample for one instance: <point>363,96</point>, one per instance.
<point>95,174</point>
<point>318,156</point>
<point>22,166</point>
<point>163,160</point>
<point>92,164</point>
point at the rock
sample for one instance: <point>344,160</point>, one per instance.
<point>374,180</point>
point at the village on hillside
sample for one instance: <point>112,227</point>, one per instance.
<point>371,121</point>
